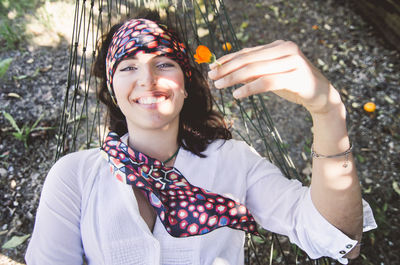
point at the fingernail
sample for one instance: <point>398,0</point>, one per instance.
<point>237,93</point>
<point>212,66</point>
<point>219,83</point>
<point>212,74</point>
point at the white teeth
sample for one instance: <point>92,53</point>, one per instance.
<point>151,100</point>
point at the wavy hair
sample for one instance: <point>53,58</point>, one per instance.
<point>199,124</point>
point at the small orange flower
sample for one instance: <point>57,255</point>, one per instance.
<point>227,46</point>
<point>204,55</point>
<point>315,27</point>
<point>369,107</point>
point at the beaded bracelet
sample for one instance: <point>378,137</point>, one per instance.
<point>345,153</point>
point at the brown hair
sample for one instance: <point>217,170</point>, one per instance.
<point>199,124</point>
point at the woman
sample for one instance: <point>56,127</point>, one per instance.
<point>180,190</point>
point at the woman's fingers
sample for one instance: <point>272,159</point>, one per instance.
<point>246,58</point>
<point>226,58</point>
<point>257,69</point>
<point>274,82</point>
<point>229,56</point>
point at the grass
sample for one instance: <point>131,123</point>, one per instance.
<point>22,133</point>
<point>4,65</point>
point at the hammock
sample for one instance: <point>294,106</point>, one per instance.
<point>200,22</point>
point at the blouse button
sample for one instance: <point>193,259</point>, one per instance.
<point>349,246</point>
<point>342,252</point>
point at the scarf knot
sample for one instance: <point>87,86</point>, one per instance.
<point>184,209</point>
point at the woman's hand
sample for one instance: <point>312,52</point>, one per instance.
<point>279,67</point>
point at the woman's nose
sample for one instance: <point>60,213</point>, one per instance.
<point>147,77</point>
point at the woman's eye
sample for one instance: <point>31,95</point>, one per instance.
<point>165,65</point>
<point>128,68</point>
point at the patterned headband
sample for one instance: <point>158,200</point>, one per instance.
<point>142,35</point>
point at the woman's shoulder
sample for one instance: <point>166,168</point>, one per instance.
<point>75,160</point>
<point>76,167</point>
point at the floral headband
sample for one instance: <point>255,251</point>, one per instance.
<point>142,35</point>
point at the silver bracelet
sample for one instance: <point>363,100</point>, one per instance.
<point>345,153</point>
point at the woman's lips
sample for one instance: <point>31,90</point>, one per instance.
<point>151,101</point>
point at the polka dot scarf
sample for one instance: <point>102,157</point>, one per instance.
<point>144,36</point>
<point>184,210</point>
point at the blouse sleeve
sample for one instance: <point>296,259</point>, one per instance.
<point>56,236</point>
<point>285,207</point>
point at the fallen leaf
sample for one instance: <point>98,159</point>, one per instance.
<point>360,158</point>
<point>307,170</point>
<point>45,69</point>
<point>320,62</point>
<point>202,32</point>
<point>20,77</point>
<point>244,24</point>
<point>13,184</point>
<point>6,153</point>
<point>368,180</point>
<point>389,100</point>
<point>257,239</point>
<point>395,186</point>
<point>14,95</point>
<point>275,9</point>
<point>15,241</point>
<point>368,191</point>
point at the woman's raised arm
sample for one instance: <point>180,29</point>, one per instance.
<point>280,67</point>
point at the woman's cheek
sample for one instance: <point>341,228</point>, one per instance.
<point>121,86</point>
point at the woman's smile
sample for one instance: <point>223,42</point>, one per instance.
<point>152,100</point>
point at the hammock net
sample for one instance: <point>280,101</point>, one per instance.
<point>206,22</point>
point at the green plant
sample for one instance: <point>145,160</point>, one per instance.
<point>3,161</point>
<point>22,134</point>
<point>9,35</point>
<point>4,65</point>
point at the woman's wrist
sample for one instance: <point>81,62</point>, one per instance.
<point>327,103</point>
<point>335,112</point>
<point>330,131</point>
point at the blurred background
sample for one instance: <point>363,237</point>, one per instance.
<point>353,43</point>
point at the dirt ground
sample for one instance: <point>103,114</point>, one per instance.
<point>337,40</point>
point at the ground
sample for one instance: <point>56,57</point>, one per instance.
<point>349,52</point>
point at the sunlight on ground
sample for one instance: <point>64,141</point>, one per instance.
<point>51,23</point>
<point>4,260</point>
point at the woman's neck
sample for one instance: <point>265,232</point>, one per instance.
<point>159,144</point>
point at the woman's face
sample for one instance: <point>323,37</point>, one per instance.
<point>150,91</point>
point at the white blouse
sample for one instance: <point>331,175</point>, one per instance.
<point>85,212</point>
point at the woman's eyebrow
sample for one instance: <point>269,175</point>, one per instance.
<point>131,58</point>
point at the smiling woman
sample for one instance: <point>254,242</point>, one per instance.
<point>149,90</point>
<point>198,122</point>
<point>180,190</point>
